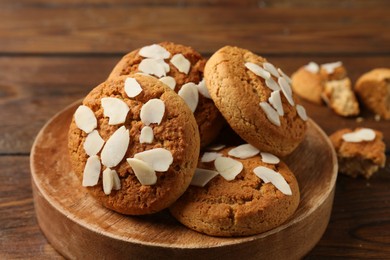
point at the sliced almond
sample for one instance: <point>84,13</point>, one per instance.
<point>330,67</point>
<point>271,83</point>
<point>132,87</point>
<point>274,177</point>
<point>169,81</point>
<point>244,151</point>
<point>181,63</point>
<point>284,75</point>
<point>154,51</point>
<point>202,177</point>
<point>108,181</point>
<point>276,101</point>
<point>216,147</point>
<point>85,119</point>
<point>228,167</point>
<point>312,67</point>
<point>91,171</point>
<point>115,109</point>
<point>269,158</point>
<point>153,67</point>
<point>93,143</point>
<point>115,148</point>
<point>286,89</point>
<point>203,89</point>
<point>146,135</point>
<point>189,92</point>
<point>152,111</point>
<point>271,69</point>
<point>158,158</point>
<point>144,173</point>
<point>270,113</point>
<point>364,134</point>
<point>301,112</point>
<point>259,71</point>
<point>210,156</point>
<point>116,181</point>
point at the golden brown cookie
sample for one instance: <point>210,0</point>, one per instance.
<point>359,152</point>
<point>373,89</point>
<point>177,65</point>
<point>256,100</point>
<point>135,144</point>
<point>245,205</point>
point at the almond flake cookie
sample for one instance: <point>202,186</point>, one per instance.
<point>238,191</point>
<point>181,68</point>
<point>135,144</point>
<point>256,100</point>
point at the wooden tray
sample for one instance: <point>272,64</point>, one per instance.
<point>78,227</point>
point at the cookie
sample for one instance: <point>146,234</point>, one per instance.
<point>373,89</point>
<point>256,100</point>
<point>230,196</point>
<point>360,152</point>
<point>177,66</point>
<point>135,144</point>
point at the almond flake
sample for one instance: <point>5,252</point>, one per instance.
<point>259,71</point>
<point>181,63</point>
<point>132,87</point>
<point>284,75</point>
<point>210,156</point>
<point>154,51</point>
<point>216,147</point>
<point>271,83</point>
<point>269,175</point>
<point>152,111</point>
<point>93,143</point>
<point>203,89</point>
<point>301,112</point>
<point>153,67</point>
<point>312,67</point>
<point>269,158</point>
<point>116,109</point>
<point>189,92</point>
<point>115,148</point>
<point>228,167</point>
<point>286,89</point>
<point>146,135</point>
<point>364,134</point>
<point>271,69</point>
<point>330,67</point>
<point>244,151</point>
<point>158,158</point>
<point>202,177</point>
<point>116,181</point>
<point>169,81</point>
<point>271,113</point>
<point>108,181</point>
<point>276,102</point>
<point>85,119</point>
<point>144,173</point>
<point>91,171</point>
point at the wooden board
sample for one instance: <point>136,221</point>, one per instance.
<point>78,227</point>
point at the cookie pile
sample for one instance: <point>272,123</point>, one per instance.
<point>135,141</point>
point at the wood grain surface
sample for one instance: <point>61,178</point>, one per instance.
<point>53,52</point>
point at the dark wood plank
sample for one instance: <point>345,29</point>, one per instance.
<point>20,236</point>
<point>270,31</point>
<point>33,89</point>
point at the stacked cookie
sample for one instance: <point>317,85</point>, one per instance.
<point>135,141</point>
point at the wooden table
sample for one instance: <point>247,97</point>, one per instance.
<point>53,52</point>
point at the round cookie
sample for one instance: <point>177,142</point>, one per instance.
<point>243,206</point>
<point>207,116</point>
<point>174,142</point>
<point>269,119</point>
